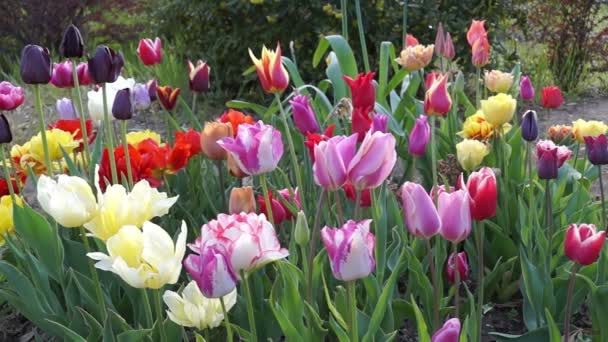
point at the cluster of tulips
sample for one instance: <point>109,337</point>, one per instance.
<point>106,185</point>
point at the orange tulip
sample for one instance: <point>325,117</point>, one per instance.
<point>272,73</point>
<point>242,200</point>
<point>213,132</point>
<point>476,31</point>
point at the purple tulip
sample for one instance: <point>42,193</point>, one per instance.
<point>35,65</point>
<point>257,148</point>
<point>332,158</point>
<point>5,131</point>
<point>597,150</point>
<point>379,123</point>
<point>122,108</point>
<point>373,162</point>
<point>421,215</point>
<point>450,332</point>
<point>526,90</point>
<point>105,65</point>
<point>448,47</point>
<point>141,97</point>
<point>151,85</point>
<point>550,158</point>
<point>66,109</point>
<point>71,45</point>
<point>529,126</point>
<point>303,115</point>
<point>212,272</point>
<point>350,250</point>
<point>419,136</point>
<point>455,214</point>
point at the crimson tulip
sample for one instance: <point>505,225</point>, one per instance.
<point>481,187</point>
<point>362,90</point>
<point>584,243</point>
<point>150,52</point>
<point>313,139</point>
<point>198,76</point>
<point>457,262</point>
<point>551,97</point>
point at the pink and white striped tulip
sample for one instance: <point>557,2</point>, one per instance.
<point>257,148</point>
<point>350,249</point>
<point>248,240</point>
<point>212,272</point>
<point>455,214</point>
<point>421,216</point>
<point>373,162</point>
<point>332,158</point>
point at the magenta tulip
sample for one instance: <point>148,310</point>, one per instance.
<point>419,136</point>
<point>450,332</point>
<point>457,261</point>
<point>303,115</point>
<point>332,158</point>
<point>62,75</point>
<point>82,71</point>
<point>455,214</point>
<point>550,158</point>
<point>373,162</point>
<point>212,272</point>
<point>350,250</point>
<point>379,123</point>
<point>583,243</point>
<point>526,90</point>
<point>150,52</point>
<point>421,216</point>
<point>597,149</point>
<point>11,97</point>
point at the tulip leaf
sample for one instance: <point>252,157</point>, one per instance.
<point>330,305</point>
<point>133,335</point>
<point>95,157</point>
<point>334,74</point>
<point>554,334</point>
<point>293,72</point>
<point>67,333</point>
<point>423,333</point>
<point>320,51</point>
<point>258,109</point>
<point>338,330</point>
<point>343,53</point>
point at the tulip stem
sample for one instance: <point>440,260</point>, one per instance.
<point>250,315</point>
<point>578,148</point>
<point>226,320</point>
<point>45,144</point>
<point>352,301</point>
<point>313,245</point>
<point>571,282</point>
<point>433,150</point>
<point>599,171</point>
<point>159,313</point>
<point>343,8</point>
<point>362,35</point>
<point>531,204</point>
<point>292,150</point>
<point>220,175</point>
<point>404,23</point>
<point>98,291</point>
<point>477,92</point>
<point>340,210</point>
<point>548,223</point>
<point>357,204</point>
<point>123,129</point>
<point>109,135</point>
<point>190,112</point>
<point>480,270</point>
<point>147,308</point>
<point>266,198</point>
<point>456,280</point>
<point>435,287</point>
<point>194,95</point>
<point>7,174</point>
<point>83,121</point>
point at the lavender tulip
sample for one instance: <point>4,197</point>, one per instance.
<point>332,158</point>
<point>373,162</point>
<point>141,97</point>
<point>455,214</point>
<point>419,136</point>
<point>450,332</point>
<point>379,123</point>
<point>212,272</point>
<point>421,215</point>
<point>303,115</point>
<point>66,109</point>
<point>350,249</point>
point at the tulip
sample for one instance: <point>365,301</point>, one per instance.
<point>62,75</point>
<point>526,90</point>
<point>4,186</point>
<point>360,122</point>
<point>249,241</point>
<point>313,139</point>
<point>212,273</point>
<point>71,45</point>
<point>439,41</point>
<point>192,309</point>
<point>95,97</point>
<point>477,127</point>
<point>233,168</point>
<point>481,188</point>
<point>122,109</point>
<point>470,153</point>
<point>373,162</point>
<point>415,57</point>
<point>421,216</point>
<point>167,96</point>
<point>550,158</point>
<point>419,137</point>
<point>74,127</point>
<point>57,140</point>
<point>11,97</point>
<point>457,262</point>
<point>561,134</point>
<point>350,249</point>
<point>302,232</point>
<point>65,109</point>
<point>235,118</point>
<point>69,200</point>
<point>591,128</point>
<point>5,131</point>
<point>271,72</point>
<point>280,212</point>
<point>105,65</point>
<point>134,138</point>
<point>303,115</point>
<point>597,150</point>
<point>141,97</point>
<point>366,195</point>
<point>455,214</point>
<point>198,76</point>
<point>152,85</point>
<point>150,52</point>
<point>529,126</point>
<point>332,158</point>
<point>448,49</point>
<point>35,65</point>
<point>437,190</point>
<point>256,149</point>
<point>450,332</point>
<point>362,90</point>
<point>379,123</point>
<point>82,72</point>
<point>7,225</point>
<point>431,77</point>
<point>242,200</point>
<point>480,55</point>
<point>551,97</point>
<point>583,243</point>
<point>499,109</point>
<point>476,31</point>
<point>498,81</point>
<point>437,100</point>
<point>145,258</point>
<point>410,40</point>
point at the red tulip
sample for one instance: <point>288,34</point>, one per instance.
<point>437,100</point>
<point>481,52</point>
<point>167,96</point>
<point>481,187</point>
<point>351,194</point>
<point>551,97</point>
<point>458,262</point>
<point>361,122</point>
<point>362,90</point>
<point>313,139</point>
<point>583,243</point>
<point>150,52</point>
<point>410,40</point>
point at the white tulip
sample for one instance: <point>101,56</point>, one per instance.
<point>69,200</point>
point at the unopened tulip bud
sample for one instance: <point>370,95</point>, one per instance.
<point>379,123</point>
<point>122,108</point>
<point>212,132</point>
<point>242,200</point>
<point>448,47</point>
<point>105,65</point>
<point>419,136</point>
<point>302,233</point>
<point>71,44</point>
<point>457,262</point>
<point>529,126</point>
<point>439,41</point>
<point>5,130</point>
<point>36,65</point>
<point>303,115</point>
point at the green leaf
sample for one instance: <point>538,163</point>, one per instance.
<point>344,53</point>
<point>423,333</point>
<point>133,335</point>
<point>334,73</point>
<point>238,104</point>
<point>338,330</point>
<point>68,334</point>
<point>293,72</point>
<point>330,305</point>
<point>554,334</point>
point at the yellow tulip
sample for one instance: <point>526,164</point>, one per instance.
<point>477,127</point>
<point>470,153</point>
<point>192,309</point>
<point>591,128</point>
<point>69,200</point>
<point>7,225</point>
<point>135,138</point>
<point>57,139</point>
<point>498,81</point>
<point>145,258</point>
<point>498,109</point>
<point>415,57</point>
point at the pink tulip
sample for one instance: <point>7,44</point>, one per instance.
<point>303,115</point>
<point>437,190</point>
<point>410,40</point>
<point>332,158</point>
<point>457,261</point>
<point>280,212</point>
<point>11,97</point>
<point>150,52</point>
<point>437,100</point>
<point>439,41</point>
<point>448,47</point>
<point>421,216</point>
<point>450,332</point>
<point>476,31</point>
<point>62,75</point>
<point>82,70</point>
<point>526,89</point>
<point>373,162</point>
<point>350,249</point>
<point>212,272</point>
<point>419,136</point>
<point>248,240</point>
<point>583,243</point>
<point>257,148</point>
<point>455,214</point>
<point>481,188</point>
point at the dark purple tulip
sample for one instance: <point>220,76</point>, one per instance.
<point>105,66</point>
<point>36,65</point>
<point>379,123</point>
<point>71,44</point>
<point>547,163</point>
<point>597,150</point>
<point>5,130</point>
<point>152,84</point>
<point>529,126</point>
<point>122,108</point>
